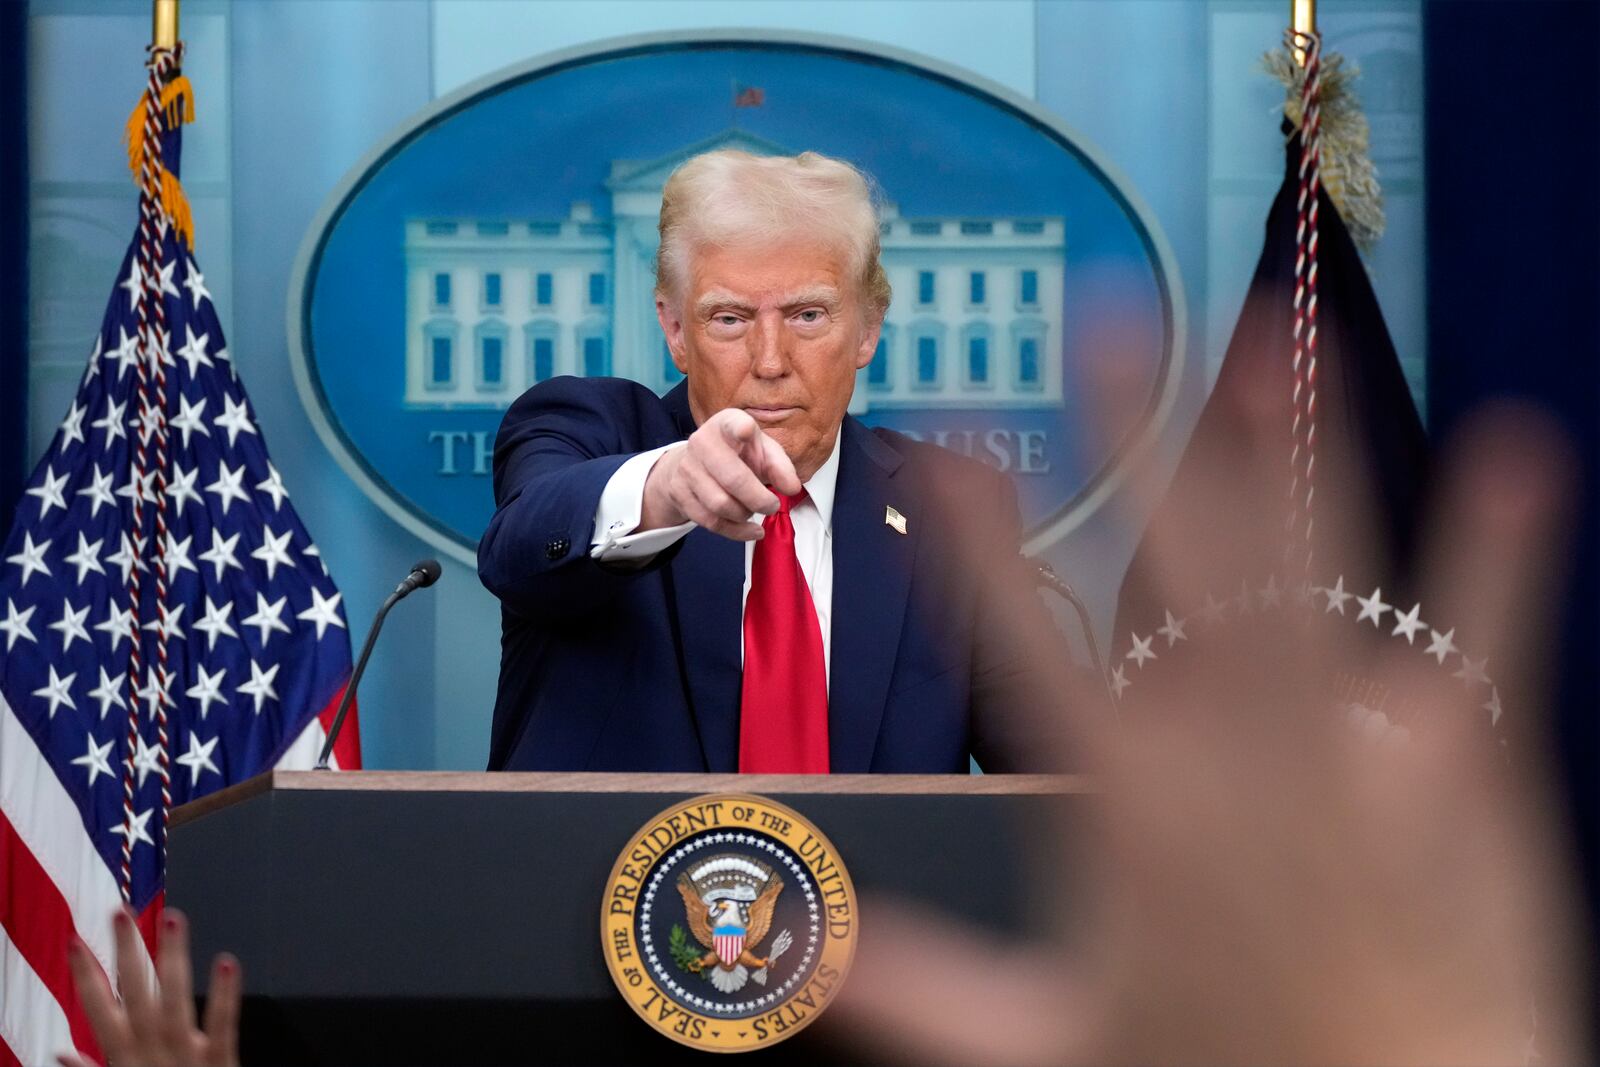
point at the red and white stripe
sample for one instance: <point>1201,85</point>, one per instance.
<point>302,755</point>
<point>53,884</point>
<point>728,947</point>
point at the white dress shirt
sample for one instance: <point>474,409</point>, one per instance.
<point>622,503</point>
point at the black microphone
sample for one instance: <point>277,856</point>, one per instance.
<point>1045,575</point>
<point>422,575</point>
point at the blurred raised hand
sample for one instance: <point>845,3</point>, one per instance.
<point>1266,884</point>
<point>158,1027</point>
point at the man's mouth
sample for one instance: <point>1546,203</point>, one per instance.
<point>771,414</point>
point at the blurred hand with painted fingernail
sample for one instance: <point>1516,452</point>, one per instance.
<point>1259,882</point>
<point>154,1023</point>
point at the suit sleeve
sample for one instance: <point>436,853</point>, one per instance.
<point>559,445</point>
<point>1022,669</point>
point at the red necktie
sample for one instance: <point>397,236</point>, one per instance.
<point>783,716</point>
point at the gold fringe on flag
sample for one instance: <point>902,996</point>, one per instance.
<point>1347,170</point>
<point>177,106</point>
<point>178,87</point>
<point>176,204</point>
<point>134,137</point>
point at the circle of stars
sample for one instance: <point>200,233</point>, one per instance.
<point>802,880</point>
<point>1334,599</point>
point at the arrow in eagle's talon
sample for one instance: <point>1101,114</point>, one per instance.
<point>779,946</point>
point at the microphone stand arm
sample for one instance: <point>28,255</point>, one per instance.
<point>1046,576</point>
<point>355,675</point>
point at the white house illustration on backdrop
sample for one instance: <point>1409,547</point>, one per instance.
<point>496,305</point>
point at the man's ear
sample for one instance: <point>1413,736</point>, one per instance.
<point>869,342</point>
<point>672,329</point>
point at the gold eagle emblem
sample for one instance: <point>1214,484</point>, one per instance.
<point>701,923</point>
<point>729,901</point>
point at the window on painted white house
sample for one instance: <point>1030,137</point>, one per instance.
<point>491,369</point>
<point>544,358</point>
<point>596,360</point>
<point>1028,288</point>
<point>978,360</point>
<point>927,360</point>
<point>1028,361</point>
<point>441,363</point>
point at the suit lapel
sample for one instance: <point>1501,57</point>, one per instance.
<point>708,584</point>
<point>708,580</point>
<point>676,401</point>
<point>871,577</point>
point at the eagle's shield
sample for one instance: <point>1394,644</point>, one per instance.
<point>728,942</point>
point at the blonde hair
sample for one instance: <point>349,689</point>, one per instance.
<point>733,197</point>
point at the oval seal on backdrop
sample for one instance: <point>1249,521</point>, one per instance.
<point>505,235</point>
<point>729,922</point>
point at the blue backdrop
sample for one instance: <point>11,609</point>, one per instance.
<point>973,158</point>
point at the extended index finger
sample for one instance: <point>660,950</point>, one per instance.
<point>222,1011</point>
<point>1491,573</point>
<point>106,1017</point>
<point>138,999</point>
<point>176,976</point>
<point>738,479</point>
<point>774,465</point>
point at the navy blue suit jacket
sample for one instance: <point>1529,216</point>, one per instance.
<point>604,668</point>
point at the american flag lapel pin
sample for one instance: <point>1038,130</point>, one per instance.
<point>894,520</point>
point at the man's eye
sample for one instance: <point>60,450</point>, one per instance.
<point>810,316</point>
<point>727,320</point>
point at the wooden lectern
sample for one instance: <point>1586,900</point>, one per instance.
<point>404,918</point>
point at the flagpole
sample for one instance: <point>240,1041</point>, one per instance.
<point>164,24</point>
<point>1302,18</point>
<point>1307,44</point>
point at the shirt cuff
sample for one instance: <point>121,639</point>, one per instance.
<point>618,514</point>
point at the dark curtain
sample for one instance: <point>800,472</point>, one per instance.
<point>1513,147</point>
<point>13,257</point>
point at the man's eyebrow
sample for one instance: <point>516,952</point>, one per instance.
<point>719,298</point>
<point>825,295</point>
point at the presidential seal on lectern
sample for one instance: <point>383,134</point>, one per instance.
<point>729,922</point>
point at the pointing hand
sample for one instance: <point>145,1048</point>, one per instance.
<point>719,478</point>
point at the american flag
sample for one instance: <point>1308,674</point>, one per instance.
<point>167,626</point>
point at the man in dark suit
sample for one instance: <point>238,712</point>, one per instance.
<point>739,576</point>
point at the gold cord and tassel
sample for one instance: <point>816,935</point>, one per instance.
<point>177,107</point>
<point>1346,161</point>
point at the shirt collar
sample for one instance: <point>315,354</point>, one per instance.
<point>820,489</point>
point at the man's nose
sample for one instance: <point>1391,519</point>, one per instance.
<point>769,354</point>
